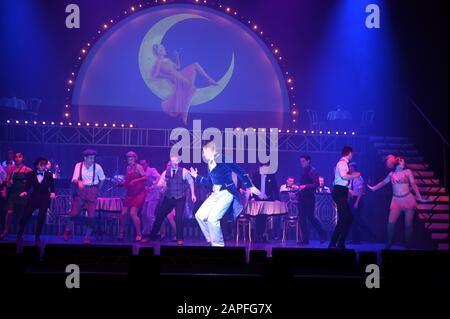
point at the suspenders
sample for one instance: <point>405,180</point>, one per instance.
<point>93,176</point>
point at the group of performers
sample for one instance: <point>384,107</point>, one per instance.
<point>151,197</point>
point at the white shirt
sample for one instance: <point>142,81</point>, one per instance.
<point>340,171</point>
<point>212,165</point>
<point>40,177</point>
<point>153,176</point>
<point>87,174</point>
<point>323,190</point>
<point>286,188</point>
<point>5,164</point>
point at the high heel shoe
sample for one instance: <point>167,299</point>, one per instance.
<point>138,238</point>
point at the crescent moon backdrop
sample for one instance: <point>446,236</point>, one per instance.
<point>114,79</point>
<point>163,87</point>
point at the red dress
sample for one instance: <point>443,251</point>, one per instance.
<point>135,193</point>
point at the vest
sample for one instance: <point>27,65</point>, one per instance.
<point>175,184</point>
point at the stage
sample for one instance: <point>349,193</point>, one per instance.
<point>235,121</point>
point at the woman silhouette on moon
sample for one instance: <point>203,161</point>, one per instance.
<point>178,103</point>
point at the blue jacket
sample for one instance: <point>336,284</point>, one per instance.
<point>222,175</point>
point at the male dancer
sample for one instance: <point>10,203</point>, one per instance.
<point>9,160</point>
<point>342,178</point>
<point>88,177</point>
<point>173,180</point>
<point>224,192</point>
<point>309,181</point>
<point>43,185</point>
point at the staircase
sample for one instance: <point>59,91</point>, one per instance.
<point>435,215</point>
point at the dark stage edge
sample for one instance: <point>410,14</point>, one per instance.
<point>314,244</point>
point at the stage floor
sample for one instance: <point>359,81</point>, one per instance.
<point>315,244</point>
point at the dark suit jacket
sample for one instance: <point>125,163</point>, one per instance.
<point>271,189</point>
<point>310,178</point>
<point>222,175</point>
<point>41,191</point>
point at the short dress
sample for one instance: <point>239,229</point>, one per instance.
<point>135,194</point>
<point>13,199</point>
<point>406,201</point>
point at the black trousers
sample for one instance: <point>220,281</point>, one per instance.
<point>344,216</point>
<point>34,203</point>
<point>306,210</point>
<point>164,209</point>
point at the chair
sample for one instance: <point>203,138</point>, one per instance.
<point>313,118</point>
<point>60,210</point>
<point>111,222</point>
<point>244,222</point>
<point>33,106</point>
<point>367,119</point>
<point>291,221</point>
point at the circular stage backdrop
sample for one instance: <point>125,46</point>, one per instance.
<point>168,65</point>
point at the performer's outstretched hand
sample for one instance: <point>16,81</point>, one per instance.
<point>254,191</point>
<point>371,188</point>
<point>193,172</point>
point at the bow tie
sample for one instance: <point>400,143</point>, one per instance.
<point>42,174</point>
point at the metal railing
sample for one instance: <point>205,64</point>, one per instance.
<point>444,141</point>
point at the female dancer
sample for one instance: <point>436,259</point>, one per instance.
<point>403,200</point>
<point>224,192</point>
<point>42,183</point>
<point>178,103</point>
<point>16,177</point>
<point>134,184</point>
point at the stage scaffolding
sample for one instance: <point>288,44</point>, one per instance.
<point>160,138</point>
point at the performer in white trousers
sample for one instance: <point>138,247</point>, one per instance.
<point>224,192</point>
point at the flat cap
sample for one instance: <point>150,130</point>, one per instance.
<point>89,152</point>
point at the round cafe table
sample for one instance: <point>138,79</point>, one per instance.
<point>268,208</point>
<point>276,207</point>
<point>109,204</point>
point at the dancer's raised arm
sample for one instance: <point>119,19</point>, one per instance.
<point>381,184</point>
<point>205,181</point>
